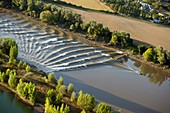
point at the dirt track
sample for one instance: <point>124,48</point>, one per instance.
<point>141,31</point>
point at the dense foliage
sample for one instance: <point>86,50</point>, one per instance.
<point>26,90</point>
<point>12,81</point>
<point>54,103</point>
<point>121,38</point>
<point>103,108</point>
<point>51,77</point>
<point>9,47</point>
<point>157,55</point>
<point>146,9</point>
<point>86,101</point>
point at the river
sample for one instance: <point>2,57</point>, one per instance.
<point>91,69</point>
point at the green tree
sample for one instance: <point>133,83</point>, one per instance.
<point>51,77</point>
<point>62,89</point>
<point>161,55</point>
<point>28,68</point>
<point>60,81</point>
<point>103,108</point>
<point>86,101</point>
<point>23,4</point>
<point>59,99</point>
<point>51,94</point>
<point>20,64</point>
<point>46,16</point>
<point>26,90</point>
<point>12,81</point>
<point>83,111</point>
<point>72,27</point>
<point>70,88</point>
<point>73,97</point>
<point>13,52</point>
<point>3,77</point>
<point>148,54</point>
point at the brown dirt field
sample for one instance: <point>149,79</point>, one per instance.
<point>141,31</point>
<point>92,4</point>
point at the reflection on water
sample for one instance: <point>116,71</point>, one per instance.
<point>10,104</point>
<point>155,76</point>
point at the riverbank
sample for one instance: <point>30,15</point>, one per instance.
<point>42,86</point>
<point>81,37</point>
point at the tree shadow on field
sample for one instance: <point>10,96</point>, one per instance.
<point>137,42</point>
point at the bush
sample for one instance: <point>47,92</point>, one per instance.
<point>70,88</point>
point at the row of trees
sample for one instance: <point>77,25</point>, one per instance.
<point>53,103</point>
<point>121,38</point>
<point>86,102</point>
<point>133,8</point>
<point>157,55</point>
<point>26,90</point>
<point>9,47</point>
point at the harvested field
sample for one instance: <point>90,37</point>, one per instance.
<point>141,31</point>
<point>92,4</point>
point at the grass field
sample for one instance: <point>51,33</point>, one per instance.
<point>92,4</point>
